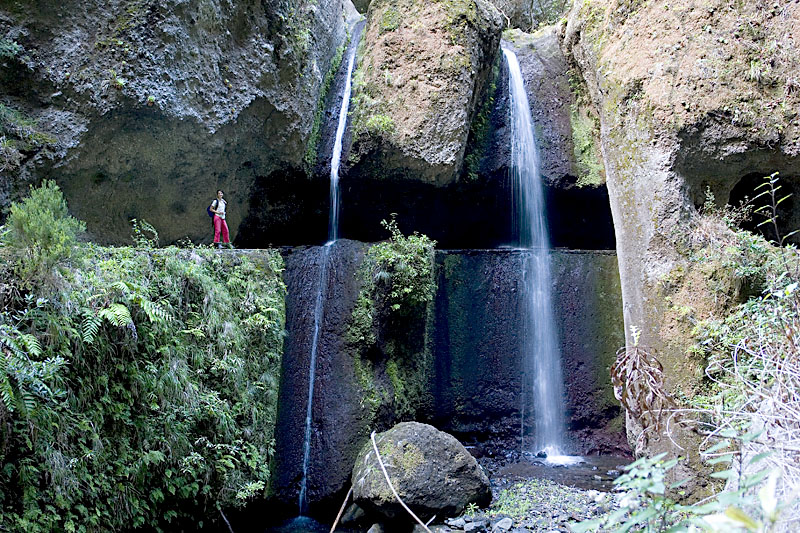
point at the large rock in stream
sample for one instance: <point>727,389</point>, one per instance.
<point>430,470</point>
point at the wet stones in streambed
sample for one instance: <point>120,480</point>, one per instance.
<point>535,506</point>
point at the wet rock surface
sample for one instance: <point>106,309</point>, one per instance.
<point>478,367</point>
<point>469,381</point>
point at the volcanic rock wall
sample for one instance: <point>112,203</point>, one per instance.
<point>466,376</point>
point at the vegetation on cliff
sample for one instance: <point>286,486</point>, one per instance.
<point>745,409</point>
<point>137,386</point>
<point>391,317</point>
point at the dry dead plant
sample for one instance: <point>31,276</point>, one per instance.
<point>638,381</point>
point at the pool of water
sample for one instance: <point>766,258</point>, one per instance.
<point>593,472</point>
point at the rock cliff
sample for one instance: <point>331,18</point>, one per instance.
<point>142,109</point>
<point>423,68</point>
<point>691,97</point>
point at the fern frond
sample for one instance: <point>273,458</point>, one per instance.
<point>31,344</point>
<point>91,326</point>
<point>116,314</point>
<point>155,313</point>
<point>7,392</point>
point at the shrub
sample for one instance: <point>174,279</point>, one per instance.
<point>404,268</point>
<point>40,232</point>
<point>141,394</point>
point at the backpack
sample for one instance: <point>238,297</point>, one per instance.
<point>215,203</point>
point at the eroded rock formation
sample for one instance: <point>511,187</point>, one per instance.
<point>690,97</point>
<point>424,67</point>
<point>147,107</point>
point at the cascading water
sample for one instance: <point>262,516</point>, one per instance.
<point>333,234</point>
<point>543,359</point>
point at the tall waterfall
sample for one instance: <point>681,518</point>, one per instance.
<point>333,234</point>
<point>336,157</point>
<point>542,356</point>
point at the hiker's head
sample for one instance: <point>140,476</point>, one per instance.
<point>219,193</point>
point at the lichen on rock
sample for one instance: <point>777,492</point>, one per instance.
<point>430,470</point>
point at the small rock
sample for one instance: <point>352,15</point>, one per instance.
<point>456,522</point>
<point>475,527</point>
<point>353,515</point>
<point>376,528</point>
<point>433,529</point>
<point>503,525</point>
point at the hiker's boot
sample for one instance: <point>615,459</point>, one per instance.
<point>219,246</point>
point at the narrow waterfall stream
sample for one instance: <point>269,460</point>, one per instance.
<point>333,234</point>
<point>543,358</point>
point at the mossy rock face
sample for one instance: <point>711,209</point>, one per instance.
<point>152,106</point>
<point>686,102</point>
<point>421,72</point>
<point>430,470</point>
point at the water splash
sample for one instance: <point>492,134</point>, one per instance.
<point>543,359</point>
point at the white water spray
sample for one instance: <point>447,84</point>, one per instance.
<point>543,359</point>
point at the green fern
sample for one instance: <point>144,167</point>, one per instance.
<point>116,314</point>
<point>155,312</point>
<point>90,326</point>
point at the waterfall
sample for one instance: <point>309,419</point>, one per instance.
<point>312,365</point>
<point>542,356</point>
<point>322,285</point>
<point>336,158</point>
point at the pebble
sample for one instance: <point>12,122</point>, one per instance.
<point>503,525</point>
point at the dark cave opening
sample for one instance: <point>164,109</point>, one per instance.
<point>287,208</point>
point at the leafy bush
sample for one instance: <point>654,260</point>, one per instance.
<point>645,504</point>
<point>750,354</point>
<point>404,267</point>
<point>143,233</point>
<point>40,232</point>
<point>9,49</point>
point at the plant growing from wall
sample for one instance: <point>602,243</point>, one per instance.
<point>387,331</point>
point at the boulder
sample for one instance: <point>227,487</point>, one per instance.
<point>429,469</point>
<point>417,87</point>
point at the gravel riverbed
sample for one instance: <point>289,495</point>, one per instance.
<point>529,496</point>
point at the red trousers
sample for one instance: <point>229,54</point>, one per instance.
<point>220,225</point>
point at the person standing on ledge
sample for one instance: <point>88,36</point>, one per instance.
<point>218,207</point>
